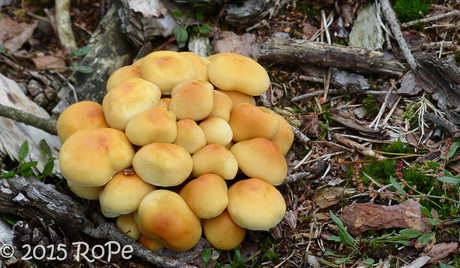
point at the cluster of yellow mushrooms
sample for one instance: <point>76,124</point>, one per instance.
<point>173,131</point>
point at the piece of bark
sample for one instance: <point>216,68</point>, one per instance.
<point>442,80</point>
<point>349,81</point>
<point>244,13</point>
<point>110,51</point>
<point>64,24</point>
<point>228,41</point>
<point>440,251</point>
<point>453,129</point>
<point>6,240</point>
<point>362,217</point>
<point>351,123</point>
<point>306,52</point>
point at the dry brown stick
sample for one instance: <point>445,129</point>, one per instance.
<point>396,29</point>
<point>48,125</point>
<point>360,148</point>
<point>454,13</point>
<point>64,24</point>
<point>453,129</point>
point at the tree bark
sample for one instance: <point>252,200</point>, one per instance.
<point>306,52</point>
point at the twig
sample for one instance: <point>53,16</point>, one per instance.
<point>382,109</point>
<point>48,125</point>
<point>366,139</point>
<point>338,91</point>
<point>360,148</point>
<point>453,129</point>
<point>302,137</point>
<point>391,111</point>
<point>295,177</point>
<point>395,28</point>
<point>303,160</point>
<point>64,24</point>
<point>430,19</point>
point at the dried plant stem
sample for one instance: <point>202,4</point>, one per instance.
<point>360,148</point>
<point>454,13</point>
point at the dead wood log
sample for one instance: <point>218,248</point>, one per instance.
<point>306,52</point>
<point>30,198</point>
<point>110,51</point>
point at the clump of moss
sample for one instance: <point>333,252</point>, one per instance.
<point>410,10</point>
<point>371,108</point>
<point>398,147</point>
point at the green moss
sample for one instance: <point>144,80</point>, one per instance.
<point>371,108</point>
<point>409,10</point>
<point>398,147</point>
<point>308,9</point>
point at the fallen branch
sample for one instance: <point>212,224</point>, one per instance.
<point>455,13</point>
<point>306,52</point>
<point>453,129</point>
<point>64,24</point>
<point>48,125</point>
<point>360,148</point>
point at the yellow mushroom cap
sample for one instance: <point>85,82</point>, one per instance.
<point>131,97</point>
<point>164,102</point>
<point>189,135</point>
<point>89,193</point>
<point>239,73</point>
<point>123,193</point>
<point>165,217</point>
<point>217,131</point>
<point>166,69</point>
<point>223,106</point>
<point>260,158</point>
<point>201,65</point>
<point>238,97</point>
<point>216,159</point>
<point>163,164</point>
<point>284,137</point>
<point>153,125</point>
<point>206,195</point>
<point>222,232</point>
<point>255,204</point>
<point>192,99</point>
<point>150,243</point>
<point>90,157</point>
<point>78,116</point>
<point>122,74</point>
<point>128,225</point>
<point>248,122</point>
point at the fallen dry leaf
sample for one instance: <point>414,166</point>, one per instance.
<point>362,217</point>
<point>440,251</point>
<point>15,43</point>
<point>420,262</point>
<point>49,62</point>
<point>329,196</point>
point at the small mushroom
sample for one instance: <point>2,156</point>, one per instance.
<point>248,122</point>
<point>200,63</point>
<point>88,193</point>
<point>131,97</point>
<point>163,164</point>
<point>260,158</point>
<point>153,125</point>
<point>206,195</point>
<point>150,243</point>
<point>189,135</point>
<point>165,217</point>
<point>192,99</point>
<point>223,106</point>
<point>238,97</point>
<point>216,159</point>
<point>216,130</point>
<point>284,137</point>
<point>222,232</point>
<point>91,157</point>
<point>166,69</point>
<point>122,74</point>
<point>128,225</point>
<point>238,73</point>
<point>255,204</point>
<point>164,102</point>
<point>123,193</point>
<point>78,116</point>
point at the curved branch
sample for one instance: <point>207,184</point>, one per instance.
<point>48,125</point>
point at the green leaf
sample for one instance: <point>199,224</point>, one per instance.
<point>409,233</point>
<point>206,255</point>
<point>434,221</point>
<point>2,49</point>
<point>330,253</point>
<point>333,238</point>
<point>452,150</point>
<point>346,237</point>
<point>336,220</point>
<point>27,173</point>
<point>449,179</point>
<point>80,68</point>
<point>433,165</point>
<point>199,16</point>
<point>176,14</point>
<point>443,265</point>
<point>181,35</point>
<point>46,150</point>
<point>426,212</point>
<point>205,28</point>
<point>343,260</point>
<point>368,261</point>
<point>23,151</point>
<point>452,221</point>
<point>424,239</point>
<point>9,174</point>
<point>8,219</point>
<point>397,186</point>
<point>81,51</point>
<point>48,169</point>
